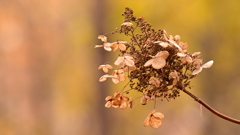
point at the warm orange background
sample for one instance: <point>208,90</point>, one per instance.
<point>48,67</point>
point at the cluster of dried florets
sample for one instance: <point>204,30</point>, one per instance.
<point>156,64</point>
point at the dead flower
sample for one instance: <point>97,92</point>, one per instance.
<point>119,44</point>
<point>158,61</point>
<point>117,101</point>
<point>106,45</point>
<point>125,61</point>
<point>154,119</point>
<point>118,76</point>
<point>175,77</point>
<point>198,68</point>
<point>105,67</point>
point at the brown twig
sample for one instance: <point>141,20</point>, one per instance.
<point>211,109</point>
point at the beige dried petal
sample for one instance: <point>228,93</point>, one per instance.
<point>196,54</point>
<point>119,61</point>
<point>128,57</point>
<point>174,81</point>
<point>101,66</point>
<point>122,77</point>
<point>108,98</point>
<point>162,54</point>
<point>115,81</point>
<point>104,78</point>
<point>197,63</point>
<point>108,104</point>
<point>143,100</point>
<point>107,46</point>
<point>103,38</point>
<point>197,70</point>
<point>173,74</point>
<point>108,66</point>
<point>183,60</point>
<point>127,24</point>
<point>129,62</point>
<point>181,54</point>
<point>125,98</point>
<point>164,44</point>
<point>189,59</point>
<point>175,44</point>
<point>208,64</point>
<point>123,105</point>
<point>114,46</point>
<point>127,68</point>
<point>122,47</point>
<point>116,103</point>
<point>177,38</point>
<point>117,95</point>
<point>158,63</point>
<point>155,123</point>
<point>97,46</point>
<point>158,115</point>
<point>146,121</point>
<point>148,63</point>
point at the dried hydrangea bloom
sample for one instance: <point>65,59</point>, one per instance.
<point>158,61</point>
<point>185,58</point>
<point>105,67</point>
<point>125,61</point>
<point>154,119</point>
<point>119,44</point>
<point>198,68</point>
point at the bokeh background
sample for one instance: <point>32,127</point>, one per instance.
<point>48,67</point>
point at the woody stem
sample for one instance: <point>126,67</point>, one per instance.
<point>210,108</point>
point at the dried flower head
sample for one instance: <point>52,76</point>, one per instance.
<point>156,64</point>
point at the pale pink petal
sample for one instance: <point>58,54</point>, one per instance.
<point>158,63</point>
<point>148,63</point>
<point>97,46</point>
<point>162,54</point>
<point>197,70</point>
<point>208,64</point>
<point>119,61</point>
<point>129,62</point>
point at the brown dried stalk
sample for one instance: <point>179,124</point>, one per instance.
<point>210,108</point>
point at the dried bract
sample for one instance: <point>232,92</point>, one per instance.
<point>158,61</point>
<point>105,67</point>
<point>154,119</point>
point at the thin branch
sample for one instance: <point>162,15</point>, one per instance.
<point>211,109</point>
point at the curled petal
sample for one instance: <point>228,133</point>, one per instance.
<point>208,64</point>
<point>122,47</point>
<point>114,46</point>
<point>103,38</point>
<point>108,66</point>
<point>116,103</point>
<point>196,54</point>
<point>197,70</point>
<point>158,115</point>
<point>146,121</point>
<point>189,59</point>
<point>108,98</point>
<point>164,44</point>
<point>123,105</point>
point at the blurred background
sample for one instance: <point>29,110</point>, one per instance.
<point>48,67</point>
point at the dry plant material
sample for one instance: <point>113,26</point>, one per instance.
<point>155,64</point>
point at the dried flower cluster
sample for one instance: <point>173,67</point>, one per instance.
<point>156,64</point>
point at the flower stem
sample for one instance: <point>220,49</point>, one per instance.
<point>210,108</point>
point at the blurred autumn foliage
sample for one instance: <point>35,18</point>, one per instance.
<point>49,76</point>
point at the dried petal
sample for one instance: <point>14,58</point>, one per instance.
<point>108,104</point>
<point>146,121</point>
<point>148,63</point>
<point>143,100</point>
<point>103,38</point>
<point>162,54</point>
<point>197,63</point>
<point>119,61</point>
<point>158,115</point>
<point>108,98</point>
<point>97,46</point>
<point>177,38</point>
<point>107,46</point>
<point>116,103</point>
<point>114,46</point>
<point>208,64</point>
<point>155,82</point>
<point>129,62</point>
<point>189,59</point>
<point>181,54</point>
<point>196,54</point>
<point>127,24</point>
<point>158,63</point>
<point>155,123</point>
<point>123,104</point>
<point>122,47</point>
<point>164,44</point>
<point>197,70</point>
